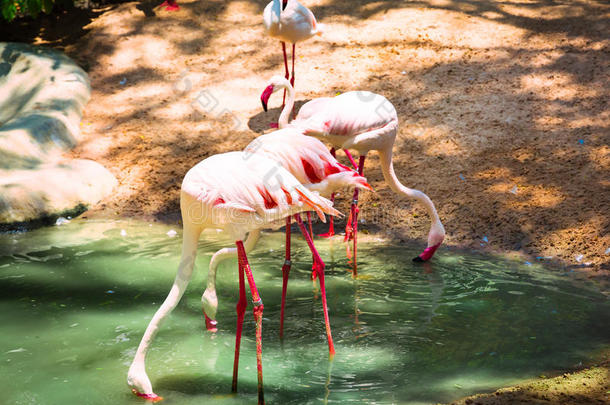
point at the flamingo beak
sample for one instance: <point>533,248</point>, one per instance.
<point>284,4</point>
<point>265,96</point>
<point>367,186</point>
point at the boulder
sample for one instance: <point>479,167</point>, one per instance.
<point>42,96</point>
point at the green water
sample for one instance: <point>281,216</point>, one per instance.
<point>75,300</point>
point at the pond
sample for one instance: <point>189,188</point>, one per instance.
<point>75,300</point>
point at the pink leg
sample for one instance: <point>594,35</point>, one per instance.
<point>287,75</point>
<point>258,316</point>
<point>320,270</point>
<point>351,229</point>
<point>331,225</point>
<point>350,158</point>
<point>241,310</point>
<point>293,114</point>
<point>313,269</point>
<point>285,273</point>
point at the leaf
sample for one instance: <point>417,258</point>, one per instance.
<point>9,9</point>
<point>34,7</point>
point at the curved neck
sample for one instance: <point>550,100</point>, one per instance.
<point>389,175</point>
<point>282,122</point>
<point>227,253</point>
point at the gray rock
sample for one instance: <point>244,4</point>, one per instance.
<point>42,95</point>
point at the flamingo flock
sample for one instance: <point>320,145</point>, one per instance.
<point>272,181</point>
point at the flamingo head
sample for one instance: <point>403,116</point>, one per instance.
<point>265,96</point>
<point>274,84</point>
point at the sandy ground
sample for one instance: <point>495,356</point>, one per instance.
<point>503,109</point>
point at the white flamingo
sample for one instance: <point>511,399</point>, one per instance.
<point>315,168</point>
<point>363,121</point>
<point>238,193</point>
<point>289,21</point>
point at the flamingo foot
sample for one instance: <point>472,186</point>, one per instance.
<point>426,254</point>
<point>210,324</point>
<point>349,228</point>
<point>314,274</point>
<point>331,231</point>
<point>149,397</point>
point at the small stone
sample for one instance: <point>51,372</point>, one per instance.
<point>171,233</point>
<point>123,232</point>
<point>61,221</point>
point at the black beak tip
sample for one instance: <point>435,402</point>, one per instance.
<point>418,259</point>
<point>264,105</point>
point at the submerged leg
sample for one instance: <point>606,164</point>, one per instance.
<point>285,273</point>
<point>351,229</point>
<point>241,310</point>
<point>258,316</point>
<point>136,376</point>
<point>319,264</point>
<point>331,225</point>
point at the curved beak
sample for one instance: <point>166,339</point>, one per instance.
<point>284,4</point>
<point>265,96</point>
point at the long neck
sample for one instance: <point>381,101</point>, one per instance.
<point>227,253</point>
<point>183,276</point>
<point>285,115</point>
<point>390,177</point>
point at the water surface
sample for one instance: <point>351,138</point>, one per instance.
<point>75,300</point>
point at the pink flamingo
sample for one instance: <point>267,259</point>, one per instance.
<point>289,21</point>
<point>308,160</point>
<point>363,121</point>
<point>170,5</point>
<point>238,193</point>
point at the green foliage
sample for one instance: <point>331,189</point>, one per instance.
<point>17,8</point>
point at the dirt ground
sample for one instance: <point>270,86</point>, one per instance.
<point>503,109</point>
<point>590,386</point>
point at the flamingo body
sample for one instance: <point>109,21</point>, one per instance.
<point>308,160</point>
<point>359,120</point>
<point>293,23</point>
<point>239,192</point>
